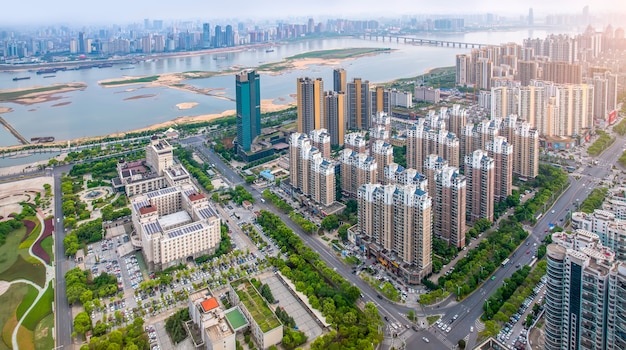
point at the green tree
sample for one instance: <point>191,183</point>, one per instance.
<point>330,222</point>
<point>462,344</point>
<point>82,323</point>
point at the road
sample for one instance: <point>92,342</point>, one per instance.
<point>62,309</point>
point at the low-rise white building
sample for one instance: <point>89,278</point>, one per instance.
<point>210,326</point>
<point>175,224</point>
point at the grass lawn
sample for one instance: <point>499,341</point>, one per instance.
<point>338,53</point>
<point>27,301</point>
<point>41,310</point>
<point>25,339</point>
<point>46,244</point>
<point>22,268</point>
<point>9,301</point>
<point>9,250</point>
<point>43,333</point>
<point>147,79</point>
<point>257,307</point>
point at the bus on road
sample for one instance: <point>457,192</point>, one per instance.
<point>505,262</point>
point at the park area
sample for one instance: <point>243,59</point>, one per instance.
<point>26,292</point>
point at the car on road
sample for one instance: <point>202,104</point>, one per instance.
<point>472,329</point>
<point>448,329</point>
<point>493,278</point>
<point>528,252</point>
<point>425,339</point>
<point>379,296</point>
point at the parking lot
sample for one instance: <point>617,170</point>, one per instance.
<point>286,300</point>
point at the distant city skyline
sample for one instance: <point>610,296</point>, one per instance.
<point>121,12</point>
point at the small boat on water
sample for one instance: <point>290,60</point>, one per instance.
<point>269,50</point>
<point>20,78</point>
<point>126,68</point>
<point>49,76</point>
<point>219,58</point>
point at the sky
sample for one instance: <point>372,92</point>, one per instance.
<point>28,12</point>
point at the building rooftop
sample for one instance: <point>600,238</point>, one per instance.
<point>235,318</point>
<point>256,305</point>
<point>209,304</point>
<point>174,219</point>
<point>185,230</point>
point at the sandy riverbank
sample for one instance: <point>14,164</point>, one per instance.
<point>49,93</point>
<point>186,105</point>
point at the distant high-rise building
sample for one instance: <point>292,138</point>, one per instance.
<point>81,43</point>
<point>531,17</point>
<point>248,95</point>
<point>449,206</point>
<point>527,71</point>
<point>503,102</point>
<point>525,141</point>
<point>560,72</point>
<point>479,174</point>
<point>339,80</point>
<point>605,97</point>
<point>359,107</point>
<point>229,36</point>
<point>206,35</point>
<point>146,44</point>
<point>463,70</point>
<point>310,100</point>
<point>335,111</point>
<point>396,221</point>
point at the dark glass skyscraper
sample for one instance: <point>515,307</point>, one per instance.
<point>248,109</point>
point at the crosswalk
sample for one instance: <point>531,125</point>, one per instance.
<point>479,326</point>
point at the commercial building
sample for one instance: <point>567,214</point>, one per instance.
<point>359,104</point>
<point>248,96</point>
<point>159,170</point>
<point>265,327</point>
<point>480,178</point>
<point>357,169</point>
<point>394,221</point>
<point>586,288</point>
<point>449,208</point>
<point>310,100</point>
<point>502,153</point>
<point>217,331</point>
<point>175,224</point>
<point>335,111</point>
<point>311,173</point>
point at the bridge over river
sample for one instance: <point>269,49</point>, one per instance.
<point>418,41</point>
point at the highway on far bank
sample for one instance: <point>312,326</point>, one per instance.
<point>469,309</point>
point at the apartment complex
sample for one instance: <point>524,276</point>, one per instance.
<point>310,102</point>
<point>427,94</point>
<point>357,169</point>
<point>359,104</point>
<point>311,172</point>
<point>395,174</point>
<point>174,224</point>
<point>449,206</point>
<point>382,152</point>
<point>159,171</point>
<point>610,229</point>
<point>340,80</point>
<point>394,222</point>
<point>480,179</point>
<point>525,151</point>
<point>356,142</point>
<point>248,101</point>
<point>335,111</point>
<point>502,153</point>
<point>380,100</point>
<point>423,140</point>
<point>402,99</point>
<point>586,289</point>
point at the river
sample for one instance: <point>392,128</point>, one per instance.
<point>99,111</point>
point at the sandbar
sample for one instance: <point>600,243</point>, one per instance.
<point>186,105</point>
<point>139,96</point>
<point>61,104</point>
<point>6,109</point>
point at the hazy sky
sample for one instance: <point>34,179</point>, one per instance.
<point>123,11</point>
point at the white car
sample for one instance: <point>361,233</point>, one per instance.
<point>448,329</point>
<point>472,329</point>
<point>425,339</point>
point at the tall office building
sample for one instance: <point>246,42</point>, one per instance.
<point>449,206</point>
<point>479,174</point>
<point>396,222</point>
<point>335,111</point>
<point>502,153</point>
<point>382,152</point>
<point>81,42</point>
<point>310,99</point>
<point>381,101</point>
<point>359,106</point>
<point>339,80</point>
<point>586,291</point>
<point>311,173</point>
<point>357,169</point>
<point>248,95</point>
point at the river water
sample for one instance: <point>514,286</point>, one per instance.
<point>99,111</point>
